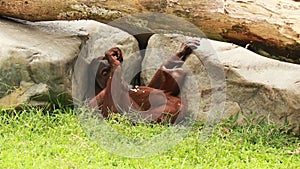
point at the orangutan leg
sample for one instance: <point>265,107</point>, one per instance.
<point>170,76</point>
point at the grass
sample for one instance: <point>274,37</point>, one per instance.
<point>40,138</point>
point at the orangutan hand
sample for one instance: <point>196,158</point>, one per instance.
<point>114,56</point>
<point>188,47</point>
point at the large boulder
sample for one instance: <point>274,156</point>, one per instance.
<point>255,85</point>
<point>38,59</point>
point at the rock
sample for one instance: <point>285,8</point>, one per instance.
<point>32,55</point>
<point>35,94</point>
<point>263,86</point>
<point>266,87</point>
<point>269,27</point>
<point>46,53</point>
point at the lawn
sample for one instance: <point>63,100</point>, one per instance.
<point>54,138</point>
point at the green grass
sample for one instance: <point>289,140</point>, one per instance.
<point>39,138</point>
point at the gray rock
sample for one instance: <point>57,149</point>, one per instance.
<point>267,88</point>
<point>46,53</point>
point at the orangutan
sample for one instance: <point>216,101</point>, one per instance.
<point>156,102</point>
